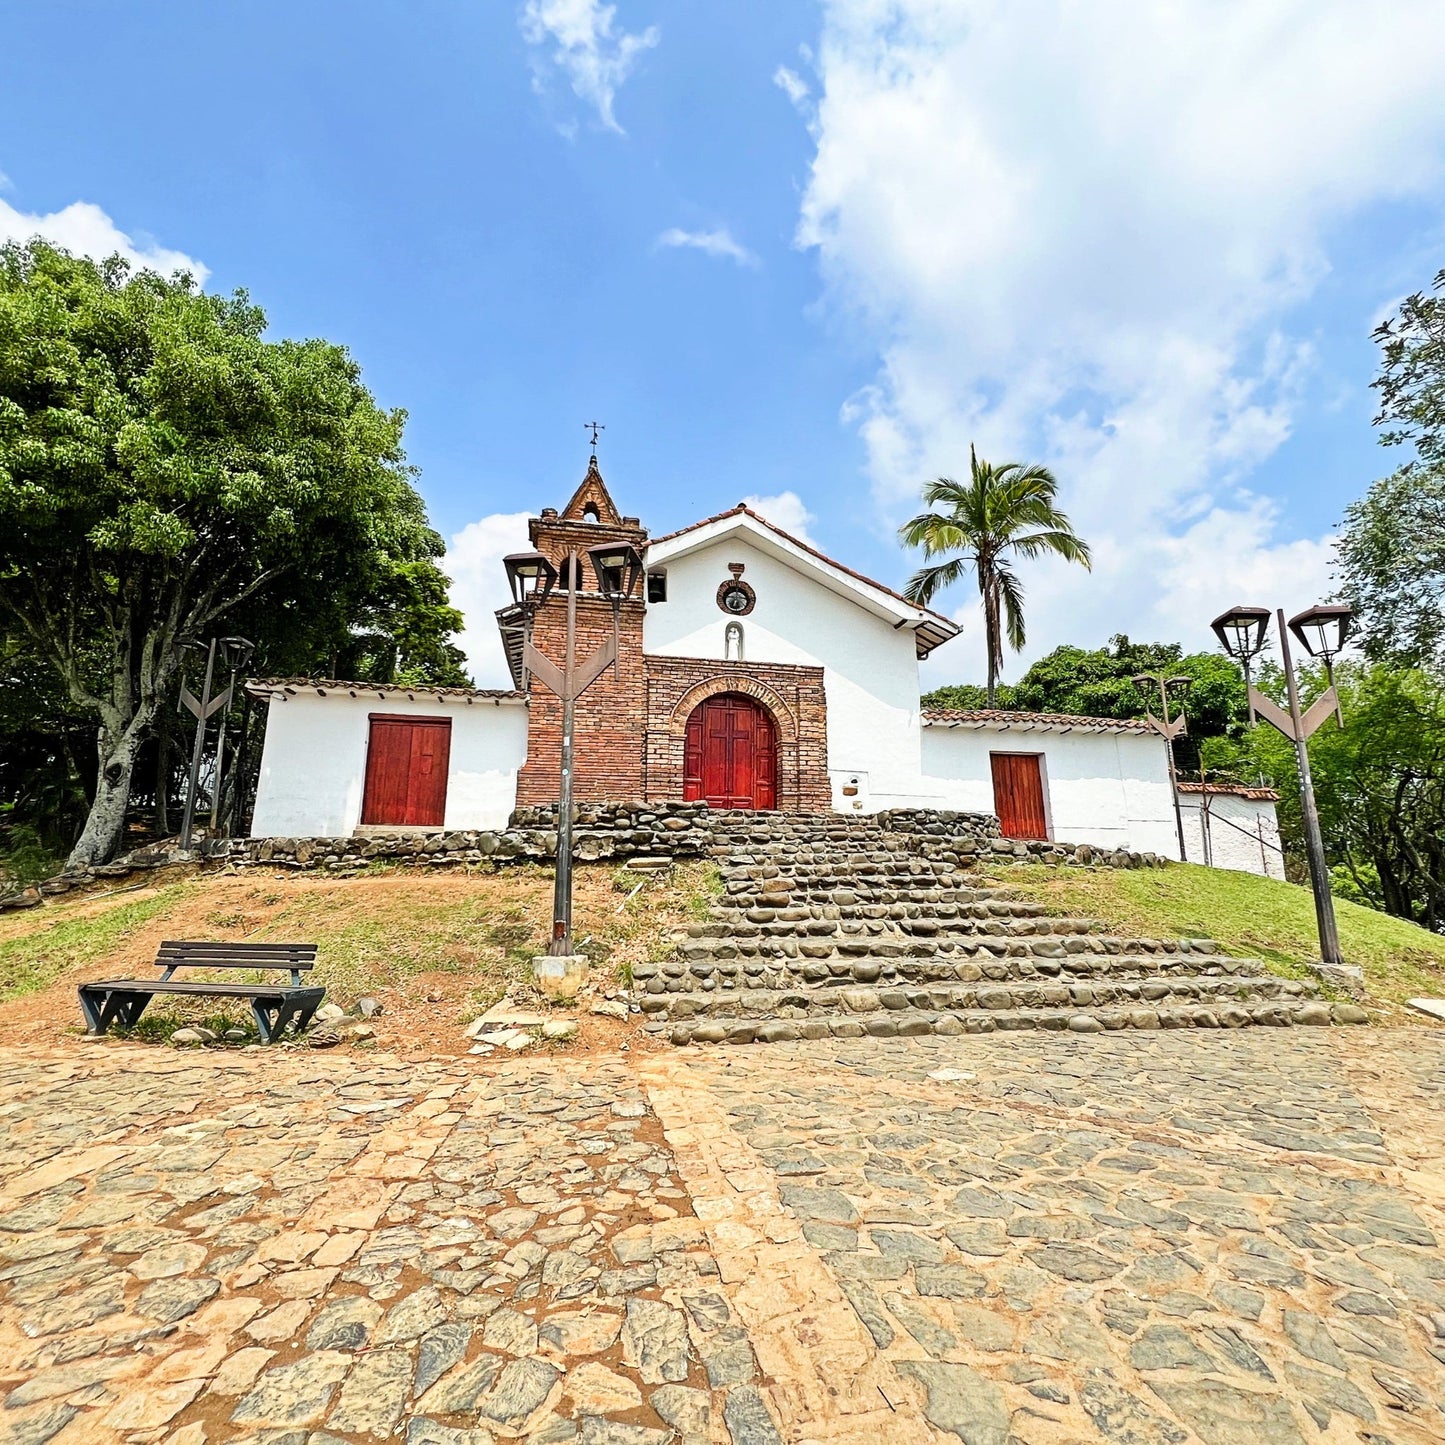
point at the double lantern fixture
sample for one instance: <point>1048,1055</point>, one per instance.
<point>1322,631</point>
<point>532,577</point>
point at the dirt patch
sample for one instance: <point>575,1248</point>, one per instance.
<point>434,948</point>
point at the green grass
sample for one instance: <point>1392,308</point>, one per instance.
<point>35,959</point>
<point>1249,916</point>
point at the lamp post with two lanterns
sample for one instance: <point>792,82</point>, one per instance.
<point>532,578</point>
<point>1321,631</point>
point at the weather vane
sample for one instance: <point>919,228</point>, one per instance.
<point>596,427</point>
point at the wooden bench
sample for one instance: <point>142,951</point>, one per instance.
<point>275,1005</point>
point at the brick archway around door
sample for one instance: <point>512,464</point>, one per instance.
<point>793,696</point>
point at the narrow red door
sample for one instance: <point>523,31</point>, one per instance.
<point>406,771</point>
<point>1018,795</point>
<point>730,757</point>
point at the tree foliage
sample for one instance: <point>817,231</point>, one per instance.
<point>1392,545</point>
<point>167,473</point>
<point>1001,513</point>
<point>1379,784</point>
<point>1098,682</point>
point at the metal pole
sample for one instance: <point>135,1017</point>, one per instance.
<point>1314,840</point>
<point>220,765</point>
<point>1173,774</point>
<point>561,945</point>
<point>197,751</point>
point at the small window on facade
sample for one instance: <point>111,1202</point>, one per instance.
<point>589,513</point>
<point>657,586</point>
<point>733,643</point>
<point>565,579</point>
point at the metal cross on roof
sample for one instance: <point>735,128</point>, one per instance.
<point>596,427</point>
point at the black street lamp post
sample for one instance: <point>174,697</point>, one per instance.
<point>1321,631</point>
<point>532,578</point>
<point>1168,728</point>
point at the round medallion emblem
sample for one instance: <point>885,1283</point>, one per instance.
<point>736,598</point>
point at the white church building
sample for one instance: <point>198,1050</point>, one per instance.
<point>751,671</point>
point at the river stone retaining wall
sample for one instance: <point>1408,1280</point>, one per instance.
<point>605,832</point>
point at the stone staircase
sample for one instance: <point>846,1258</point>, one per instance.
<point>837,928</point>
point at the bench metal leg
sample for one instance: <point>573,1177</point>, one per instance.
<point>265,1017</point>
<point>122,1006</point>
<point>303,1014</point>
<point>91,1006</point>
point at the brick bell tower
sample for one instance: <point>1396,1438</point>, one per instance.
<point>610,723</point>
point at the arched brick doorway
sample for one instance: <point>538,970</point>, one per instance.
<point>730,757</point>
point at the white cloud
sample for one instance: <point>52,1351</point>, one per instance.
<point>479,588</point>
<point>85,230</point>
<point>786,510</point>
<point>584,46</point>
<point>719,243</point>
<point>792,85</point>
<point>1076,233</point>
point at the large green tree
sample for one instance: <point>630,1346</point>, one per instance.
<point>1392,545</point>
<point>1379,782</point>
<point>167,473</point>
<point>1098,682</point>
<point>982,526</point>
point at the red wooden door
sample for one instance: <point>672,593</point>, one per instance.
<point>1018,794</point>
<point>731,754</point>
<point>406,771</point>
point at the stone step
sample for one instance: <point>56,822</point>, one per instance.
<point>862,896</point>
<point>684,975</point>
<point>953,948</point>
<point>909,1022</point>
<point>752,915</point>
<point>802,923</point>
<point>766,1003</point>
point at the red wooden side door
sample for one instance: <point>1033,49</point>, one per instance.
<point>1018,794</point>
<point>731,756</point>
<point>406,771</point>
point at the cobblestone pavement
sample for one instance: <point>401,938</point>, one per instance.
<point>254,1247</point>
<point>1229,1238</point>
<point>1225,1238</point>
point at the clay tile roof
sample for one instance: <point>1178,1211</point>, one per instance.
<point>940,628</point>
<point>1235,790</point>
<point>324,685</point>
<point>982,716</point>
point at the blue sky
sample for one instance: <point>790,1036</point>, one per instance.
<point>800,252</point>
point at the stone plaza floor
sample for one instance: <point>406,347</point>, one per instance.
<point>1226,1237</point>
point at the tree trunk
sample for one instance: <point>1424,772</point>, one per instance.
<point>991,637</point>
<point>103,826</point>
<point>163,781</point>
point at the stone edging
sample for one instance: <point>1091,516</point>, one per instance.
<point>605,832</point>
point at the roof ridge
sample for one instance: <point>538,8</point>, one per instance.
<point>324,685</point>
<point>742,509</point>
<point>1003,714</point>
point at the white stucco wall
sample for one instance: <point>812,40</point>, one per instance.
<point>313,762</point>
<point>1111,789</point>
<point>870,670</point>
<point>1243,834</point>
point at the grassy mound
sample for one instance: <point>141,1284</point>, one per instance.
<point>463,936</point>
<point>1250,916</point>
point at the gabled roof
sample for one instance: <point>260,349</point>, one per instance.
<point>930,629</point>
<point>260,687</point>
<point>1003,719</point>
<point>1232,790</point>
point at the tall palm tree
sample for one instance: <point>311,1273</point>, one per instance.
<point>1001,512</point>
